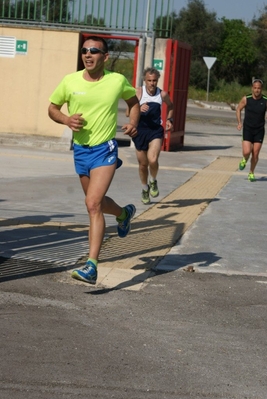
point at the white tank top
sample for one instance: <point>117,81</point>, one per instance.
<point>147,98</point>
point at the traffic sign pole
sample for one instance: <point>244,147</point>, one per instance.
<point>209,61</point>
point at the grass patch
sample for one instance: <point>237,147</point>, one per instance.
<point>230,93</point>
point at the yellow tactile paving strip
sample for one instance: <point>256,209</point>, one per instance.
<point>127,263</point>
<point>156,231</point>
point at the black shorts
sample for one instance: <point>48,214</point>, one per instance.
<point>253,135</point>
<point>145,136</point>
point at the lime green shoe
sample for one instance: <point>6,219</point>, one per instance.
<point>153,189</point>
<point>251,177</point>
<point>145,197</point>
<point>242,164</point>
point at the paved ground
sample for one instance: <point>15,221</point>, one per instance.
<point>180,307</point>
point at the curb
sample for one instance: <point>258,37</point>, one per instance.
<point>218,106</point>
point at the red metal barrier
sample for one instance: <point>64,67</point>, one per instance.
<point>176,82</point>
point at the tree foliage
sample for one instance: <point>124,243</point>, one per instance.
<point>119,49</point>
<point>199,28</point>
<point>55,11</point>
<point>259,27</point>
<point>241,50</point>
<point>164,26</point>
<point>92,21</point>
<point>236,56</point>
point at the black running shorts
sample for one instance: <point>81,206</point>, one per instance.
<point>145,136</point>
<point>253,135</point>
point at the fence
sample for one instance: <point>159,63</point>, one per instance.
<point>111,15</point>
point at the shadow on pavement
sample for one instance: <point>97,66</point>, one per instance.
<point>203,259</point>
<point>38,248</point>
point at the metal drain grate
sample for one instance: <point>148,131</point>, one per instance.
<point>11,269</point>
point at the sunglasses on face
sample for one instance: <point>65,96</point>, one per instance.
<point>92,50</point>
<point>257,80</point>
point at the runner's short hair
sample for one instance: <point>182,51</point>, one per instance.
<point>151,71</point>
<point>98,39</point>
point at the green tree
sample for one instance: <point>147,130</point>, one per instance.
<point>120,60</point>
<point>236,55</point>
<point>199,76</point>
<point>17,10</point>
<point>55,10</point>
<point>93,21</point>
<point>4,8</point>
<point>259,27</point>
<point>199,28</point>
<point>46,10</point>
<point>164,26</point>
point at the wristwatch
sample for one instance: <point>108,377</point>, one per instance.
<point>170,119</point>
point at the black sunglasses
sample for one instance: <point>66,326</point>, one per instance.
<point>92,50</point>
<point>257,80</point>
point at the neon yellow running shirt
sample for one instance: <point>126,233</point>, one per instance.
<point>96,101</point>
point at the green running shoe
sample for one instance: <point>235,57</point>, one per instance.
<point>145,197</point>
<point>251,177</point>
<point>242,164</point>
<point>153,188</point>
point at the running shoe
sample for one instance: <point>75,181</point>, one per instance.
<point>153,188</point>
<point>124,227</point>
<point>242,164</point>
<point>251,177</point>
<point>145,197</point>
<point>88,273</point>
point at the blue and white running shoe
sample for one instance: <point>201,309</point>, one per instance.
<point>88,273</point>
<point>125,227</point>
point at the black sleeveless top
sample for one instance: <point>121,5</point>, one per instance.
<point>255,112</point>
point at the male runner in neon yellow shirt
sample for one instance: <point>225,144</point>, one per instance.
<point>92,97</point>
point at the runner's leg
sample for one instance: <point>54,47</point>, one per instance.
<point>256,147</point>
<point>246,149</point>
<point>153,156</point>
<point>95,189</point>
<point>143,165</point>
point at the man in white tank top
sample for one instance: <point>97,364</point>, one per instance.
<point>150,130</point>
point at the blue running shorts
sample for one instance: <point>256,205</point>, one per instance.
<point>87,158</point>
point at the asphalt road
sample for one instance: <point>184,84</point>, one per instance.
<point>214,112</point>
<point>184,335</point>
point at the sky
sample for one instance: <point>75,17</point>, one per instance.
<point>230,9</point>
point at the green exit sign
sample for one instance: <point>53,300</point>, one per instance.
<point>158,64</point>
<point>21,46</point>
